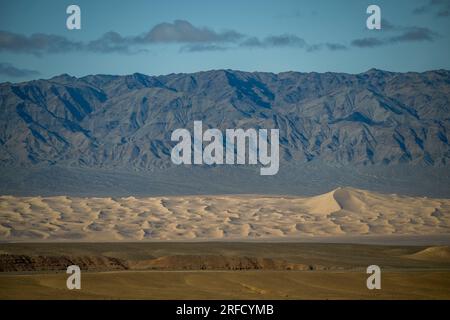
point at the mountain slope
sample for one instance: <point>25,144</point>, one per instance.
<point>375,117</point>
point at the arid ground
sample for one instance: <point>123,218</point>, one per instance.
<point>226,247</point>
<point>223,270</point>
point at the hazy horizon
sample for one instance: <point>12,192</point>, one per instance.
<point>211,70</point>
<point>153,38</point>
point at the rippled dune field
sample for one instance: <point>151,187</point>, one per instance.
<point>341,212</point>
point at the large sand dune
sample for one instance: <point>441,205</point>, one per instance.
<point>341,212</point>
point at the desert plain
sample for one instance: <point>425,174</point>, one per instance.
<point>226,246</point>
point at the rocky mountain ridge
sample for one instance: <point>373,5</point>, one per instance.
<point>105,121</point>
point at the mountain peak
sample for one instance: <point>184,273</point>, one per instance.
<point>64,77</point>
<point>376,71</point>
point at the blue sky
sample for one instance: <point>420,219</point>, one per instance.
<point>170,36</point>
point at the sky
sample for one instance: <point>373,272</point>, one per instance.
<point>180,36</point>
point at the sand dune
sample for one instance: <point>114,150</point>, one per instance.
<point>434,254</point>
<point>341,212</point>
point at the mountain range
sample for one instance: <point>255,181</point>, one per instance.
<point>375,118</point>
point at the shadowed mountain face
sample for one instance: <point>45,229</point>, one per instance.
<point>375,117</point>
